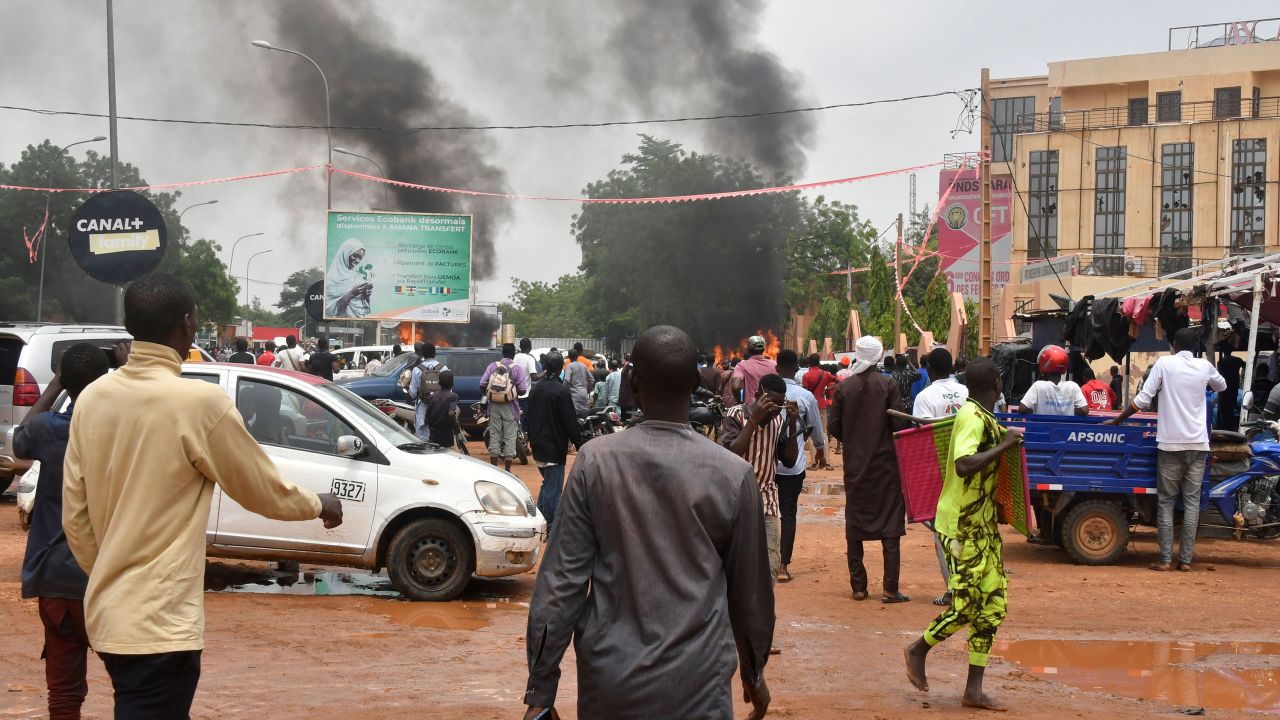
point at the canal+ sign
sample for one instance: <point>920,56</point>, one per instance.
<point>117,236</point>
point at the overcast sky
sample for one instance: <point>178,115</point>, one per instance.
<point>190,59</point>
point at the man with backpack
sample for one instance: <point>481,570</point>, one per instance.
<point>502,383</point>
<point>424,382</point>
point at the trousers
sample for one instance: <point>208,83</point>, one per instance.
<point>1181,475</point>
<point>789,488</point>
<point>502,430</point>
<point>154,687</point>
<point>979,594</point>
<point>772,529</point>
<point>549,493</point>
<point>66,652</point>
<point>891,549</point>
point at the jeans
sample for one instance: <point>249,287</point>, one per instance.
<point>789,488</point>
<point>154,687</point>
<point>524,413</point>
<point>66,651</point>
<point>549,493</point>
<point>502,430</point>
<point>1181,474</point>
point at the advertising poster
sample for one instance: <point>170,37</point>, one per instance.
<point>398,266</point>
<point>960,231</point>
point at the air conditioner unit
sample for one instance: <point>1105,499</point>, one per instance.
<point>1133,266</point>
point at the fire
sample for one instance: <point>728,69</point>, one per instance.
<point>407,336</point>
<point>771,347</point>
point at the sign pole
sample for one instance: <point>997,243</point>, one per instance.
<point>897,275</point>
<point>984,307</point>
<point>111,121</point>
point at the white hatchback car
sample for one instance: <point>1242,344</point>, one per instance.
<point>432,517</point>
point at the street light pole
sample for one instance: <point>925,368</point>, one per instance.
<point>231,270</point>
<point>185,209</point>
<point>111,114</point>
<point>246,273</point>
<point>44,251</point>
<point>386,195</point>
<point>328,118</point>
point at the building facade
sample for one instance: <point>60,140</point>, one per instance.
<point>1137,166</point>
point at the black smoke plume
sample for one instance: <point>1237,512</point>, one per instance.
<point>374,83</point>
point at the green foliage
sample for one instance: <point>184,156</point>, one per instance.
<point>538,309</point>
<point>293,295</point>
<point>832,238</point>
<point>215,291</point>
<point>711,268</point>
<point>69,294</point>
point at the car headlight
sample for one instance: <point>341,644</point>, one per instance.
<point>497,500</point>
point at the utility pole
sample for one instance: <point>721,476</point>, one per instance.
<point>984,306</point>
<point>897,306</point>
<point>115,149</point>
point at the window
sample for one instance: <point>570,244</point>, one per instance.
<point>1042,205</point>
<point>471,364</point>
<point>1055,113</point>
<point>1176,185</point>
<point>202,377</point>
<point>1169,106</point>
<point>1108,219</point>
<point>1257,102</point>
<point>1226,103</point>
<point>1138,111</point>
<point>276,415</point>
<point>1009,116</point>
<point>1248,195</point>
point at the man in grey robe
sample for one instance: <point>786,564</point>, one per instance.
<point>658,568</point>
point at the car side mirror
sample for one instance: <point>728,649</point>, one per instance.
<point>350,446</point>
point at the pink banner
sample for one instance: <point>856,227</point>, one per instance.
<point>960,230</point>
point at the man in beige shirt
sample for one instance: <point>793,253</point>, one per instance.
<point>146,449</point>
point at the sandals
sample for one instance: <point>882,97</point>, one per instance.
<point>943,600</point>
<point>894,598</point>
<point>785,576</point>
<point>1160,567</point>
<point>1184,567</point>
<point>859,595</point>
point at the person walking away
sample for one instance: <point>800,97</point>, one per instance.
<point>1182,438</point>
<point>822,384</point>
<point>322,361</point>
<point>844,372</point>
<point>790,478</point>
<point>584,357</point>
<point>136,497</point>
<point>1052,395</point>
<point>579,380</point>
<point>1231,368</point>
<point>442,413</point>
<point>944,396</point>
<point>657,568</point>
<point>502,383</point>
<point>967,520</point>
<point>290,358</point>
<point>373,363</point>
<point>553,425</point>
<point>626,399</point>
<point>746,375</point>
<point>886,365</point>
<point>525,360</point>
<point>424,381</point>
<point>923,381</point>
<point>874,508</point>
<point>600,390</point>
<point>49,570</point>
<point>267,358</point>
<point>1097,394</point>
<point>763,432</point>
<point>613,383</point>
<point>241,355</point>
<point>1117,387</point>
<point>906,376</point>
<point>709,375</point>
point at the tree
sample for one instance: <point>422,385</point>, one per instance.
<point>832,238</point>
<point>293,295</point>
<point>539,309</point>
<point>214,289</point>
<point>713,268</point>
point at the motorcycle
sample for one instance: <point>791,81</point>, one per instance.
<point>481,412</point>
<point>1243,487</point>
<point>403,413</point>
<point>705,413</point>
<point>594,423</point>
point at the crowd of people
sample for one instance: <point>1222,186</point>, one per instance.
<point>665,549</point>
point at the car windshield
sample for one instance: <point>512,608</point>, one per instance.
<point>394,366</point>
<point>468,364</point>
<point>377,420</point>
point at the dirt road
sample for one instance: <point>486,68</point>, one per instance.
<point>269,655</point>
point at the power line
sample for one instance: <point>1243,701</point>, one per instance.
<point>959,93</point>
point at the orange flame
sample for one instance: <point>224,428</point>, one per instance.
<point>771,348</point>
<point>408,338</point>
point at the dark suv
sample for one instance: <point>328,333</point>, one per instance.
<point>467,364</point>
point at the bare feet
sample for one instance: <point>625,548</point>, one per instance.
<point>914,657</point>
<point>982,701</point>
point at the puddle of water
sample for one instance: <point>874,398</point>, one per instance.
<point>238,578</point>
<point>1227,675</point>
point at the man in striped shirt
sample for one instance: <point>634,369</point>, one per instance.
<point>755,432</point>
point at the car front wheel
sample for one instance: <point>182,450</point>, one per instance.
<point>431,559</point>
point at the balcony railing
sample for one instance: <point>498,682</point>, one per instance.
<point>1153,113</point>
<point>1150,263</point>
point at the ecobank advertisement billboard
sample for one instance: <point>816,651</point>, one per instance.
<point>398,266</point>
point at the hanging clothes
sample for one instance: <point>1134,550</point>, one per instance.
<point>1208,321</point>
<point>1169,317</point>
<point>1110,330</point>
<point>1238,318</point>
<point>1137,308</point>
<point>1077,329</point>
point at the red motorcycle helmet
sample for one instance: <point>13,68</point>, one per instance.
<point>1052,360</point>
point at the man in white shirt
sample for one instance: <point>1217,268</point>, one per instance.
<point>290,358</point>
<point>526,360</point>
<point>1051,395</point>
<point>1182,434</point>
<point>945,394</point>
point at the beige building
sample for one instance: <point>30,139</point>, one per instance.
<point>1138,165</point>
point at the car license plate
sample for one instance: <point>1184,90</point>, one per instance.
<point>348,490</point>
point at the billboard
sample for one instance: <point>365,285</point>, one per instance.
<point>960,230</point>
<point>398,266</point>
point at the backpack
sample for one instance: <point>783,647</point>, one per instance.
<point>429,380</point>
<point>502,386</point>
